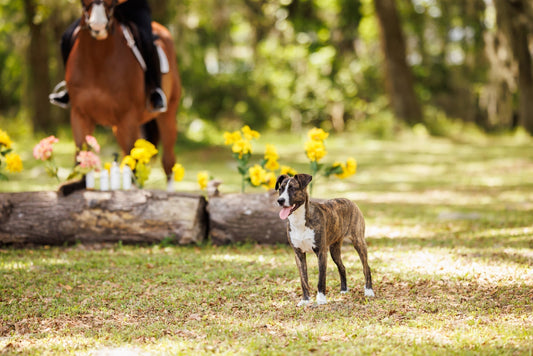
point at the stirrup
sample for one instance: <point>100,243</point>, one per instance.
<point>163,107</point>
<point>59,95</point>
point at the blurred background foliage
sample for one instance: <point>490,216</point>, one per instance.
<point>373,65</point>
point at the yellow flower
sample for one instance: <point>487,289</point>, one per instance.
<point>129,161</point>
<point>141,154</point>
<point>142,143</point>
<point>351,166</point>
<point>13,162</point>
<point>4,139</point>
<point>269,180</point>
<point>348,169</point>
<point>178,172</point>
<point>143,151</point>
<point>231,137</point>
<point>107,166</point>
<point>315,150</point>
<point>316,134</point>
<point>249,134</point>
<point>242,147</point>
<point>257,175</point>
<point>272,165</point>
<point>203,179</point>
<point>288,170</point>
<point>270,153</point>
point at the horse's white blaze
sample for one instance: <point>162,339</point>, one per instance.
<point>98,18</point>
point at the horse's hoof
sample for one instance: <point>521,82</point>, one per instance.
<point>68,188</point>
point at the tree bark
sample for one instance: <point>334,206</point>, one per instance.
<point>399,78</point>
<point>135,216</point>
<point>514,18</point>
<point>39,77</point>
<point>246,217</point>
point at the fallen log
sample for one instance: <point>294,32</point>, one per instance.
<point>131,216</point>
<point>246,217</point>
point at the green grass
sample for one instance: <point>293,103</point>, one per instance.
<point>450,234</point>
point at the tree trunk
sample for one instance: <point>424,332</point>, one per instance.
<point>246,217</point>
<point>39,77</point>
<point>399,78</point>
<point>513,18</point>
<point>95,216</point>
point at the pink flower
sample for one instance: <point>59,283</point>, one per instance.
<point>88,160</point>
<point>91,141</point>
<point>43,150</point>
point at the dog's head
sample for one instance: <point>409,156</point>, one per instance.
<point>292,193</point>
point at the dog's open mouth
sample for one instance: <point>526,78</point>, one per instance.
<point>285,212</point>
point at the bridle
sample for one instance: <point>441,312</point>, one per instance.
<point>109,12</point>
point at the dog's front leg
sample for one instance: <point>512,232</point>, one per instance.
<point>322,268</point>
<point>302,269</point>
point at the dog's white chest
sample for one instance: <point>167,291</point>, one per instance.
<point>301,236</point>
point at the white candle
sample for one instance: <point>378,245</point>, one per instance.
<point>104,180</point>
<point>126,177</point>
<point>89,180</point>
<point>115,176</point>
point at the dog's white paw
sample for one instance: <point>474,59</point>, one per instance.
<point>321,299</point>
<point>344,291</point>
<point>369,292</point>
<point>303,302</point>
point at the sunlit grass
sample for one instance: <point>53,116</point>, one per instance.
<point>450,234</point>
<point>243,300</point>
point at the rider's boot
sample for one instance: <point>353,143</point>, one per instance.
<point>59,96</point>
<point>158,100</point>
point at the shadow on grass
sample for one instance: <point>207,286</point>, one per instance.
<point>240,297</point>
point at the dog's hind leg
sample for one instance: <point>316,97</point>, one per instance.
<point>361,250</point>
<point>301,263</point>
<point>335,251</point>
<point>360,246</point>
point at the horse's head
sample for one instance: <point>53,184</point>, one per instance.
<point>98,16</point>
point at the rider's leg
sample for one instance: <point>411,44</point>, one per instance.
<point>139,13</point>
<point>66,40</point>
<point>59,96</point>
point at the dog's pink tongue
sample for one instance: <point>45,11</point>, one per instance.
<point>285,212</point>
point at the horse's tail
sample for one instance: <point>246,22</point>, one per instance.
<point>150,132</point>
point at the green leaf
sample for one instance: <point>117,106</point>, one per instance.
<point>6,151</point>
<point>74,174</point>
<point>332,170</point>
<point>242,170</point>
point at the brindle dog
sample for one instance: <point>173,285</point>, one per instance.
<point>317,227</point>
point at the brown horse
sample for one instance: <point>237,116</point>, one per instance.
<point>106,83</point>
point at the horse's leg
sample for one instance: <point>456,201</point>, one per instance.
<point>126,134</point>
<point>166,122</point>
<point>81,127</point>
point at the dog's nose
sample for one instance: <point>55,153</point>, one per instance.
<point>281,201</point>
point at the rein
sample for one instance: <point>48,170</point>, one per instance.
<point>109,13</point>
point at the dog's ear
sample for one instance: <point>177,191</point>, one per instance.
<point>303,179</point>
<point>280,180</point>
